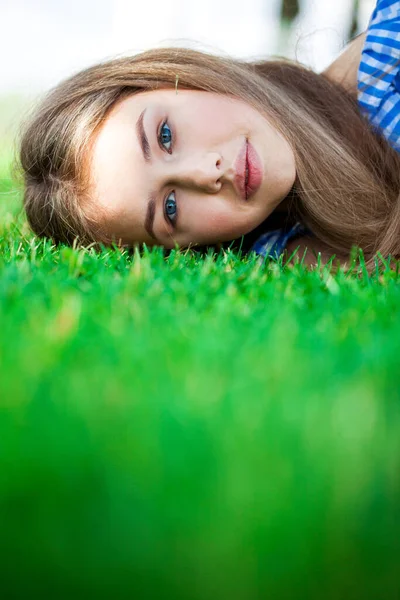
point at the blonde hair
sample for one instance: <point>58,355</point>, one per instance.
<point>348,176</point>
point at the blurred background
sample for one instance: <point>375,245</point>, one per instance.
<point>43,41</point>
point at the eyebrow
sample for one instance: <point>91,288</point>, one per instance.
<point>142,137</point>
<point>145,146</point>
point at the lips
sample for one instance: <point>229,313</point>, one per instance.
<point>255,175</point>
<point>248,171</point>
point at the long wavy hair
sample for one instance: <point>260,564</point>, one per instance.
<point>348,176</point>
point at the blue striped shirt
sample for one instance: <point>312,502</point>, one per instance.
<point>378,97</point>
<point>378,74</point>
<point>273,243</point>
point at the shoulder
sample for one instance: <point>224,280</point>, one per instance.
<point>344,69</point>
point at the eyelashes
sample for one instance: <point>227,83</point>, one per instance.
<point>165,140</point>
<point>165,137</point>
<point>171,208</point>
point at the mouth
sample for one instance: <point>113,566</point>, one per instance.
<point>248,171</point>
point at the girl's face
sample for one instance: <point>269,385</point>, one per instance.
<point>188,167</point>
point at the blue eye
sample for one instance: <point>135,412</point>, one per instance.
<point>170,207</point>
<point>165,136</point>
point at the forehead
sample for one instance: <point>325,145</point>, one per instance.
<point>116,171</point>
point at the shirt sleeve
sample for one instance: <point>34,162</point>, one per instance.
<point>379,71</point>
<point>273,243</point>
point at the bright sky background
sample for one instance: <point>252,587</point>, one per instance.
<point>43,41</point>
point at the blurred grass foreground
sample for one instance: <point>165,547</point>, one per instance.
<point>193,427</point>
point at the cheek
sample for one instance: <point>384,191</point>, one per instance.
<point>221,224</point>
<point>208,122</point>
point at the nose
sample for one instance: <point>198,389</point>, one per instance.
<point>201,172</point>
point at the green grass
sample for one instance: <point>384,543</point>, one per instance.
<point>195,428</point>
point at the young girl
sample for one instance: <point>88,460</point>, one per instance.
<point>177,147</point>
